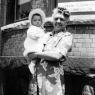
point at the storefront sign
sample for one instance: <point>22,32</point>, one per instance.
<point>81,10</point>
<point>20,2</point>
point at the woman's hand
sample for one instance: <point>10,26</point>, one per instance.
<point>32,55</point>
<point>49,55</point>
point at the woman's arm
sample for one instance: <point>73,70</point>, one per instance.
<point>60,51</point>
<point>49,55</point>
<point>56,53</point>
<point>32,55</point>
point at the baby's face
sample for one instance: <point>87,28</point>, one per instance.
<point>36,20</point>
<point>49,26</point>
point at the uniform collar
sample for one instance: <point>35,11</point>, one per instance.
<point>58,34</point>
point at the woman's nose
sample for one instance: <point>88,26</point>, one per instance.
<point>58,20</point>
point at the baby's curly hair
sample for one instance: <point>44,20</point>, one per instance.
<point>48,25</point>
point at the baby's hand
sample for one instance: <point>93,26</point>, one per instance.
<point>34,37</point>
<point>32,55</point>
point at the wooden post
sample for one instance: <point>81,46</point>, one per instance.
<point>1,82</point>
<point>1,23</point>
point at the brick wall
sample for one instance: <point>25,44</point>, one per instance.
<point>81,58</point>
<point>84,41</point>
<point>12,42</point>
<point>45,5</point>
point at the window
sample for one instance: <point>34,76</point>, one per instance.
<point>17,10</point>
<point>22,9</point>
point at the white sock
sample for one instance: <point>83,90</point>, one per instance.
<point>32,67</point>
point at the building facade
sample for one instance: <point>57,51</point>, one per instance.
<point>17,10</point>
<point>14,22</point>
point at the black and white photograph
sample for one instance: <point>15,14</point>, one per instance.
<point>47,47</point>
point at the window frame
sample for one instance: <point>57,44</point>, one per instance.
<point>16,12</point>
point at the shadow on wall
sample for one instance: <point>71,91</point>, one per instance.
<point>16,81</point>
<point>12,42</point>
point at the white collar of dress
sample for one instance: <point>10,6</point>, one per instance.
<point>58,34</point>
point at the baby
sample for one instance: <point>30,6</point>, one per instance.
<point>35,33</point>
<point>48,25</point>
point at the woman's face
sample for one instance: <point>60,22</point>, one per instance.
<point>60,23</point>
<point>36,20</point>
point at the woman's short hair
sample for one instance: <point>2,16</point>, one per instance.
<point>63,12</point>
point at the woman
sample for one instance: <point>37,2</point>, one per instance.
<point>50,73</point>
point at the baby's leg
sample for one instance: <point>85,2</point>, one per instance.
<point>31,67</point>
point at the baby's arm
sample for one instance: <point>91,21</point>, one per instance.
<point>31,34</point>
<point>35,32</point>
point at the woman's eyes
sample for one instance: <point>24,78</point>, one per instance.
<point>61,19</point>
